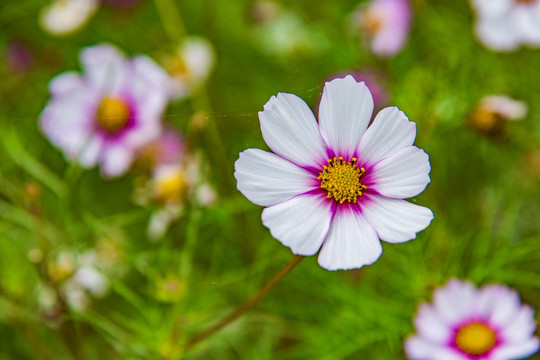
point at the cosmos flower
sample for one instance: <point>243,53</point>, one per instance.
<point>109,112</point>
<point>504,25</point>
<point>337,186</point>
<point>466,323</point>
<point>386,25</point>
<point>493,113</point>
<point>63,17</point>
<point>190,65</point>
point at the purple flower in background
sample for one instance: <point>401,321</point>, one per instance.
<point>337,185</point>
<point>386,24</point>
<point>109,112</point>
<point>18,56</point>
<point>504,25</point>
<point>466,323</point>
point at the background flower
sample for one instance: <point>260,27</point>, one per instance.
<point>504,25</point>
<point>465,323</point>
<point>107,114</point>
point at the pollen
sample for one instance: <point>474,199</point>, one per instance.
<point>112,114</point>
<point>475,338</point>
<point>342,180</point>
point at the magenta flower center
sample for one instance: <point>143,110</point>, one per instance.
<point>525,1</point>
<point>112,114</point>
<point>342,180</point>
<point>475,338</point>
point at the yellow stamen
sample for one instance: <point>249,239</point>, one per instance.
<point>112,114</point>
<point>341,179</point>
<point>476,338</point>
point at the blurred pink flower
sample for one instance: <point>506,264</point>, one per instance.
<point>109,112</point>
<point>386,25</point>
<point>168,148</point>
<point>504,25</point>
<point>466,323</point>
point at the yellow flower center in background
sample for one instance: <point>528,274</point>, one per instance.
<point>171,187</point>
<point>342,180</point>
<point>372,22</point>
<point>112,114</point>
<point>476,338</point>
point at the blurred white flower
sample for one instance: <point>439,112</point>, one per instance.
<point>66,16</point>
<point>105,115</point>
<point>504,25</point>
<point>385,24</point>
<point>466,323</point>
<point>190,65</point>
<point>493,113</point>
<point>337,186</point>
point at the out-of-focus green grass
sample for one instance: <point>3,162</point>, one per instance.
<point>484,193</point>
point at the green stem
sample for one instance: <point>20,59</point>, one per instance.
<point>172,20</point>
<point>246,306</point>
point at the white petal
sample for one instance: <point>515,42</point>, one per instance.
<point>420,349</point>
<point>430,326</point>
<point>290,130</point>
<point>89,154</point>
<point>497,34</point>
<point>395,220</point>
<point>104,68</point>
<point>489,9</point>
<point>63,17</point>
<point>455,301</point>
<point>517,351</point>
<point>267,179</point>
<point>115,161</point>
<point>66,83</point>
<point>521,328</point>
<point>351,242</point>
<point>344,114</point>
<point>390,132</point>
<point>67,124</point>
<point>403,175</point>
<point>505,304</point>
<point>525,21</point>
<point>300,223</point>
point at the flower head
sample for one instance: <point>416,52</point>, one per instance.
<point>493,113</point>
<point>504,25</point>
<point>466,323</point>
<point>190,66</point>
<point>107,114</point>
<point>386,25</point>
<point>63,17</point>
<point>336,186</point>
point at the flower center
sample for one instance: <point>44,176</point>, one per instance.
<point>526,1</point>
<point>112,114</point>
<point>475,338</point>
<point>372,21</point>
<point>341,179</point>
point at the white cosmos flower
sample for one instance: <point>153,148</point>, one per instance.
<point>504,25</point>
<point>336,185</point>
<point>466,323</point>
<point>65,16</point>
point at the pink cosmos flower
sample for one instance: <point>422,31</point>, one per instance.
<point>109,112</point>
<point>386,24</point>
<point>466,323</point>
<point>336,186</point>
<point>504,25</point>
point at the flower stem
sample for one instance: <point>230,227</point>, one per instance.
<point>172,20</point>
<point>246,306</point>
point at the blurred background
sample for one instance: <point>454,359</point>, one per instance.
<point>131,265</point>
